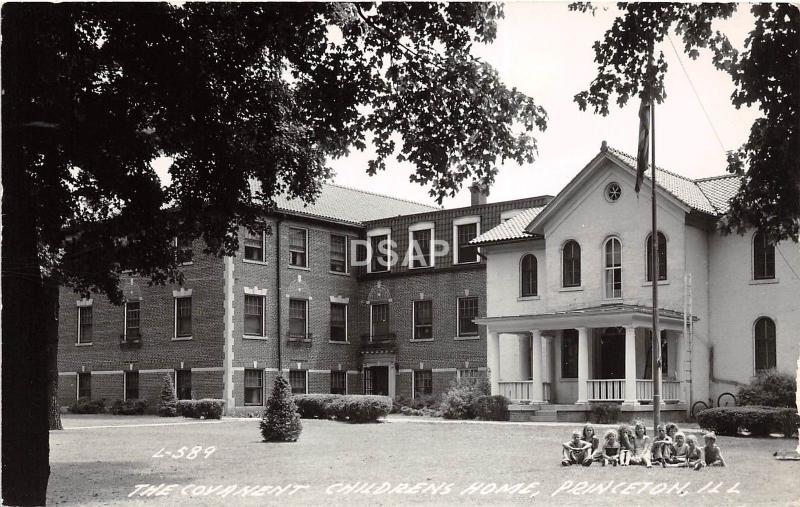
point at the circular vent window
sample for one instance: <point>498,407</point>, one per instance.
<point>613,191</point>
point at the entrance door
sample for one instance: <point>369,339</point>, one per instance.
<point>612,353</point>
<point>376,380</point>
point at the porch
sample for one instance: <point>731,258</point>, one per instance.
<point>580,357</point>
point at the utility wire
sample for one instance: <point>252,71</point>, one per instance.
<point>697,96</point>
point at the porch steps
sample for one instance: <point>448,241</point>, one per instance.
<point>544,416</point>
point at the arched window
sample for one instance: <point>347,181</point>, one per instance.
<point>662,257</point>
<point>527,272</point>
<point>763,257</point>
<point>613,268</point>
<point>571,264</point>
<point>765,344</point>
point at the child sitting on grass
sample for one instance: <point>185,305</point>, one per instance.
<point>677,452</point>
<point>625,437</point>
<point>590,437</point>
<point>576,451</point>
<point>713,457</point>
<point>611,449</point>
<point>641,445</point>
<point>694,456</point>
<point>661,445</point>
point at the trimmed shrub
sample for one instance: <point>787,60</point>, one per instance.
<point>770,389</point>
<point>420,412</point>
<point>128,407</point>
<point>281,422</point>
<point>207,408</point>
<point>88,406</point>
<point>311,406</point>
<point>757,421</point>
<point>459,401</point>
<point>605,413</point>
<point>167,405</point>
<point>360,408</point>
<point>491,408</point>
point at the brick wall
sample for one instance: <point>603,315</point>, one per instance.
<point>67,389</point>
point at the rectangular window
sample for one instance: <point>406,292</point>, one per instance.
<point>297,247</point>
<point>254,246</point>
<point>338,253</point>
<point>183,384</point>
<point>466,252</point>
<point>338,322</point>
<point>131,385</point>
<point>379,321</point>
<point>380,253</point>
<point>84,324</point>
<point>184,250</point>
<point>469,374</point>
<point>467,310</point>
<point>423,320</point>
<point>423,382</point>
<point>254,315</point>
<point>183,317</point>
<point>132,320</point>
<point>298,319</point>
<point>338,382</point>
<point>297,379</point>
<point>569,354</point>
<point>84,385</point>
<point>253,387</point>
<point>421,249</point>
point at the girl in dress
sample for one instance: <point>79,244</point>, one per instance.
<point>590,437</point>
<point>611,449</point>
<point>625,438</point>
<point>641,446</point>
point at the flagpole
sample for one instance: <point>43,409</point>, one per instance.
<point>656,338</point>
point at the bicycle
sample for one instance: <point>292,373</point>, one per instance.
<point>723,400</point>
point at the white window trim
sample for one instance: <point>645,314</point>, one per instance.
<point>125,318</point>
<point>753,339</point>
<point>414,321</point>
<point>605,270</point>
<point>665,281</point>
<point>465,221</point>
<point>422,226</point>
<point>295,266</point>
<point>563,287</point>
<point>78,382</point>
<point>371,329</point>
<point>262,295</point>
<point>753,279</point>
<point>189,263</point>
<point>307,309</point>
<point>383,231</point>
<point>263,249</point>
<point>83,303</point>
<point>244,386</point>
<point>306,382</point>
<point>176,295</point>
<point>520,296</point>
<point>459,336</point>
<point>346,322</point>
<point>346,255</point>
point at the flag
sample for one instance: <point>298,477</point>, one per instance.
<point>643,153</point>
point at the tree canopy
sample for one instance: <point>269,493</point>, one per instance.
<point>766,73</point>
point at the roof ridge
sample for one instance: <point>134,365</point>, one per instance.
<point>719,177</point>
<point>381,195</point>
<point>672,173</point>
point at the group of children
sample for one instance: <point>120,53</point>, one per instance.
<point>670,448</point>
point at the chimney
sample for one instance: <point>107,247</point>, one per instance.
<point>478,194</point>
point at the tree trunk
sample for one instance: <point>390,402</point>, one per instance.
<point>25,439</point>
<point>50,308</point>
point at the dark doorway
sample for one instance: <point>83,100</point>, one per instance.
<point>376,380</point>
<point>612,353</point>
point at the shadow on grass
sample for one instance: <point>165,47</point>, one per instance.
<point>79,482</point>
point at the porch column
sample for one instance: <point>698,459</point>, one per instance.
<point>583,364</point>
<point>537,390</point>
<point>392,380</point>
<point>523,355</point>
<point>630,365</point>
<point>493,360</point>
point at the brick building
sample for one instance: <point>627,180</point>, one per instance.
<point>296,294</point>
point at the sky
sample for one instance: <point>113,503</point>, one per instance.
<point>546,52</point>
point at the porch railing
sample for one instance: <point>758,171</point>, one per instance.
<point>670,390</point>
<point>521,390</point>
<point>605,390</point>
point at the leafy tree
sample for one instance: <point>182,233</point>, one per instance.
<point>766,73</point>
<point>168,402</point>
<point>233,93</point>
<point>281,421</point>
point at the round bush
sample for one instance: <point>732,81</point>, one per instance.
<point>770,389</point>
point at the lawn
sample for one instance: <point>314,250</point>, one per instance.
<point>100,460</point>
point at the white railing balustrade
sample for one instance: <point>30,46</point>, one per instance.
<point>605,390</point>
<point>670,390</point>
<point>517,391</point>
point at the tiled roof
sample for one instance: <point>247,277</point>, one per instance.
<point>719,190</point>
<point>682,188</point>
<point>511,229</point>
<point>351,205</point>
